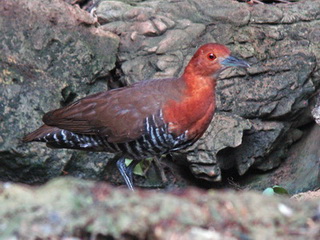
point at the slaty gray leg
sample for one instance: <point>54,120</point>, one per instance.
<point>126,172</point>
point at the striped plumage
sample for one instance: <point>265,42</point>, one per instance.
<point>146,119</point>
<point>156,140</point>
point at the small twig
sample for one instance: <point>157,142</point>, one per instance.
<point>255,1</point>
<point>160,169</point>
<point>284,1</point>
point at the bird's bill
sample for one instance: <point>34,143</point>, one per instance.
<point>234,62</point>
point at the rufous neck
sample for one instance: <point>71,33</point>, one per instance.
<point>195,81</point>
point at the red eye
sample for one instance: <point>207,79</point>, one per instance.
<point>211,56</point>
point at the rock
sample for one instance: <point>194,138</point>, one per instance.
<point>266,14</point>
<point>310,195</point>
<point>76,209</point>
<point>316,111</point>
<point>260,112</point>
<point>226,131</point>
<point>50,54</point>
<point>299,173</point>
<point>264,135</point>
<point>110,11</point>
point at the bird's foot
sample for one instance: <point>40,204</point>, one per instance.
<point>159,166</point>
<point>126,172</point>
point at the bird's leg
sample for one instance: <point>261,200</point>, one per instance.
<point>126,172</point>
<point>160,168</point>
<point>129,170</point>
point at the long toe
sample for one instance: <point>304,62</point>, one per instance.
<point>130,168</point>
<point>121,165</point>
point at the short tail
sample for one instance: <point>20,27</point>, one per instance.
<point>59,138</point>
<point>40,133</point>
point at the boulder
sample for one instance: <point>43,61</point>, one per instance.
<point>51,53</point>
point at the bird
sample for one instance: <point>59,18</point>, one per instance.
<point>146,119</point>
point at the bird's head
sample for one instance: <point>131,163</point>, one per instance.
<point>211,59</point>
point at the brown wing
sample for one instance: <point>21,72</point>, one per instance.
<point>118,114</point>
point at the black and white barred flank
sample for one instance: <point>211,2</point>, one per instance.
<point>156,141</point>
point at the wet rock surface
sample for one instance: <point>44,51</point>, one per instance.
<point>54,53</point>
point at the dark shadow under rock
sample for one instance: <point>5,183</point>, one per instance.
<point>300,172</point>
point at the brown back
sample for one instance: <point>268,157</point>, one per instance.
<point>118,114</point>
